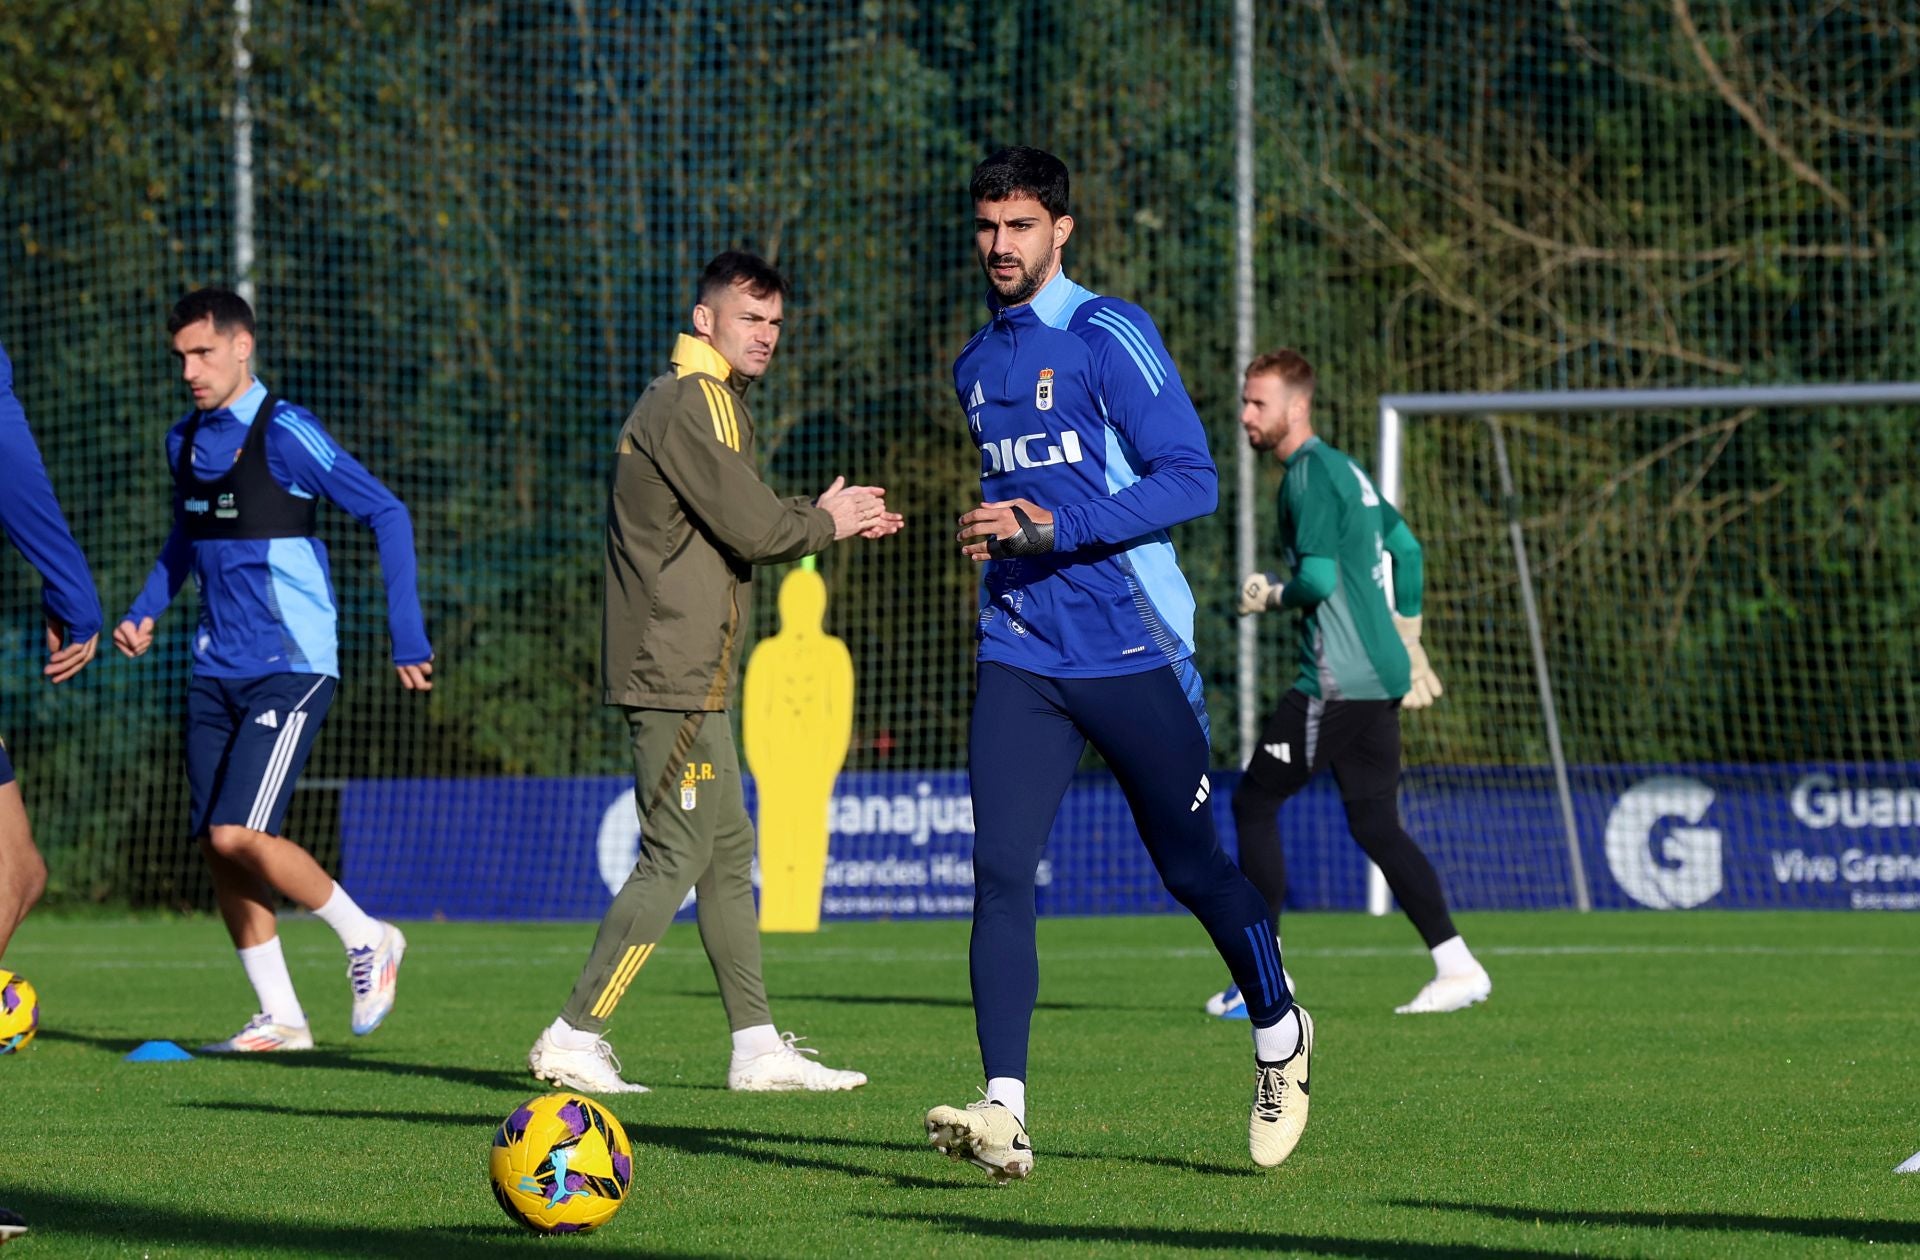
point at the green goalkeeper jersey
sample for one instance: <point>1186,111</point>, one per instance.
<point>1336,532</point>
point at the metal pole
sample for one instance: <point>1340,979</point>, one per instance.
<point>1379,896</point>
<point>1510,502</point>
<point>1248,665</point>
<point>1389,471</point>
<point>242,154</point>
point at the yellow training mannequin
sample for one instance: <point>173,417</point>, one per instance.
<point>796,722</point>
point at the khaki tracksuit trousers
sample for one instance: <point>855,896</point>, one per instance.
<point>694,833</point>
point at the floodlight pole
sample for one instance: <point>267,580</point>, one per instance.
<point>1248,657</point>
<point>1379,896</point>
<point>242,154</point>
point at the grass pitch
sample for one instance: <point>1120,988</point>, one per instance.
<point>1639,1085</point>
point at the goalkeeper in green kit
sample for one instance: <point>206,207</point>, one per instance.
<point>1360,663</point>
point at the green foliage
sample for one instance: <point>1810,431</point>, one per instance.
<point>478,227</point>
<point>71,70</point>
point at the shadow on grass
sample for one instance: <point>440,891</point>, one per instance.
<point>54,1215</point>
<point>118,1045</point>
<point>449,1119</point>
<point>945,1003</point>
<point>1878,1232</point>
<point>760,1146</point>
<point>751,1146</point>
<point>949,1224</point>
<point>353,1060</point>
<point>357,1061</point>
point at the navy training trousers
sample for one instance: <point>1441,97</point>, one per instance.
<point>1026,738</point>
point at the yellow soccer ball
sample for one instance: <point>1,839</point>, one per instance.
<point>561,1164</point>
<point>19,1012</point>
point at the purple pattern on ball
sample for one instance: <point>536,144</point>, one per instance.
<point>574,1116</point>
<point>517,1122</point>
<point>576,1182</point>
<point>566,1227</point>
<point>622,1168</point>
<point>9,998</point>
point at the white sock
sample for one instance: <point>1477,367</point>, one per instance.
<point>266,968</point>
<point>1277,1044</point>
<point>567,1037</point>
<point>1451,957</point>
<point>1010,1092</point>
<point>355,927</point>
<point>751,1043</point>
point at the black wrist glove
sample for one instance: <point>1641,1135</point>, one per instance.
<point>1029,540</point>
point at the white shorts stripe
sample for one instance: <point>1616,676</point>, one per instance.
<point>276,772</point>
<point>259,814</point>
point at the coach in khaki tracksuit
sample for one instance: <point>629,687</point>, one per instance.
<point>687,519</point>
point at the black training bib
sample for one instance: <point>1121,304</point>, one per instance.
<point>245,502</point>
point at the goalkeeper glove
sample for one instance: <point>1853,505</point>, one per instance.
<point>1423,687</point>
<point>1259,592</point>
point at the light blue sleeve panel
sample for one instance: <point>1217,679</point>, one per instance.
<point>1147,406</point>
<point>304,598</point>
<point>304,457</point>
<point>1152,563</point>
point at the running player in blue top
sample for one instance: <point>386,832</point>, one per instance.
<point>1090,451</point>
<point>248,470</point>
<point>70,609</point>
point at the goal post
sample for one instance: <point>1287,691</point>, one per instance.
<point>1675,476</point>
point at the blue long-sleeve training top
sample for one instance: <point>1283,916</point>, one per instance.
<point>1075,405</point>
<point>266,604</point>
<point>30,514</point>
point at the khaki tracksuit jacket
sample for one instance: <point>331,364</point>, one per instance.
<point>687,519</point>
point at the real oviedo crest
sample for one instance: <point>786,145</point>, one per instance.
<point>1043,391</point>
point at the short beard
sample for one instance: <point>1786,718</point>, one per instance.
<point>1025,285</point>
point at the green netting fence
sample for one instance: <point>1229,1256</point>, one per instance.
<point>475,227</point>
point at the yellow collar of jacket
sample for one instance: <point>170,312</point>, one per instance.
<point>690,355</point>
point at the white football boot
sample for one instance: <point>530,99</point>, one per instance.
<point>12,1225</point>
<point>262,1035</point>
<point>1229,1003</point>
<point>373,971</point>
<point>986,1135</point>
<point>1280,1101</point>
<point>593,1070</point>
<point>1449,993</point>
<point>789,1068</point>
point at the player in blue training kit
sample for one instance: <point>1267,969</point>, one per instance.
<point>248,471</point>
<point>1090,451</point>
<point>69,606</point>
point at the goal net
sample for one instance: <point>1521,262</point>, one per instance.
<point>1726,619</point>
